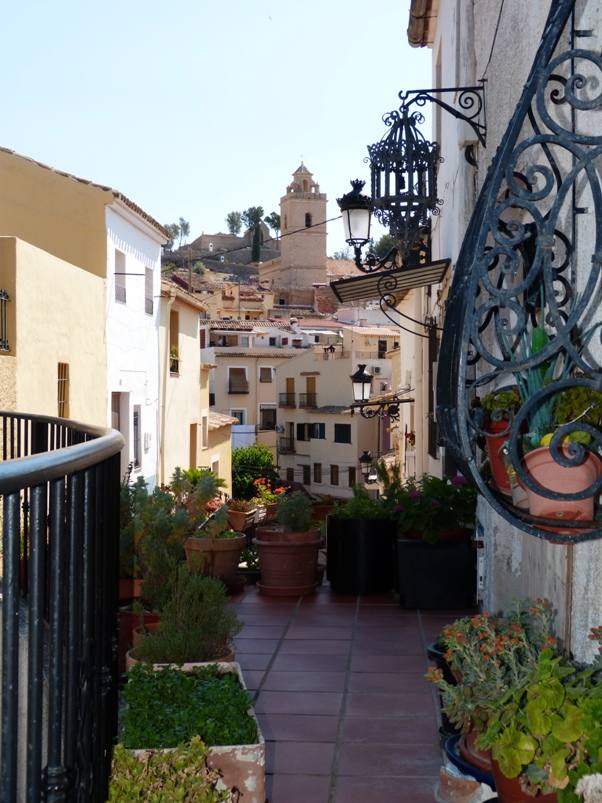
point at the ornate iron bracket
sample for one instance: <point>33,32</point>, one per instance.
<point>469,107</point>
<point>520,380</point>
<point>385,408</point>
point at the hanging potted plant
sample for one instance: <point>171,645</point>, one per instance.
<point>499,407</point>
<point>241,513</point>
<point>360,546</point>
<point>288,550</point>
<point>435,553</point>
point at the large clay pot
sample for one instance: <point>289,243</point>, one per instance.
<point>509,789</point>
<point>471,753</point>
<point>549,474</point>
<point>288,561</point>
<point>220,556</point>
<point>128,622</point>
<point>494,443</point>
<point>129,588</point>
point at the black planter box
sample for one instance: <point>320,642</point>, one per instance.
<point>360,555</point>
<point>436,576</point>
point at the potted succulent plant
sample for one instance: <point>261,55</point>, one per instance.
<point>499,406</point>
<point>545,733</point>
<point>170,707</point>
<point>360,546</point>
<point>196,623</point>
<point>435,554</point>
<point>288,550</point>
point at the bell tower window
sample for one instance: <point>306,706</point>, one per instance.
<point>307,220</point>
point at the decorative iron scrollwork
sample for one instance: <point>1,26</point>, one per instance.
<point>523,323</point>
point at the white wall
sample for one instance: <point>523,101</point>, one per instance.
<point>133,335</point>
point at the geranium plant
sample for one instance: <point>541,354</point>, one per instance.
<point>266,492</point>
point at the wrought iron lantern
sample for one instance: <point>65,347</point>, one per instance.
<point>366,464</point>
<point>362,384</point>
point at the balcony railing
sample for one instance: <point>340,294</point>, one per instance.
<point>59,483</point>
<point>308,400</point>
<point>286,445</point>
<point>238,387</point>
<point>286,400</point>
<point>4,299</point>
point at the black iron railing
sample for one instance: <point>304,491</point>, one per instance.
<point>286,400</point>
<point>286,445</point>
<point>308,400</point>
<point>59,485</point>
<point>4,299</point>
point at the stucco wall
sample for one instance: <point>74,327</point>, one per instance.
<point>57,314</point>
<point>54,212</point>
<point>220,449</point>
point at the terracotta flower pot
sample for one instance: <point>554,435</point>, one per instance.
<point>494,444</point>
<point>544,470</point>
<point>140,631</point>
<point>220,556</point>
<point>241,520</point>
<point>128,622</point>
<point>288,561</point>
<point>129,588</point>
<point>471,753</point>
<point>509,789</point>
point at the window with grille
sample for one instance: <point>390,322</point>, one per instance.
<point>334,475</point>
<point>352,476</point>
<point>267,417</point>
<point>302,433</point>
<point>237,380</point>
<point>4,299</point>
<point>306,475</point>
<point>120,276</point>
<point>265,374</point>
<point>317,472</point>
<point>136,434</point>
<point>290,474</point>
<point>63,390</point>
<point>239,414</point>
<point>148,290</point>
<point>317,431</point>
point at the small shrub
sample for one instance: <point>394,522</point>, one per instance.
<point>294,512</point>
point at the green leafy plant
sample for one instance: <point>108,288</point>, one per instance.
<point>266,492</point>
<point>429,509</point>
<point>579,403</point>
<point>248,464</point>
<point>196,623</point>
<point>490,655</point>
<point>167,707</point>
<point>504,400</point>
<point>180,774</point>
<point>361,506</point>
<point>294,512</point>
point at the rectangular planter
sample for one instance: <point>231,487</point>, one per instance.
<point>436,576</point>
<point>242,765</point>
<point>360,555</point>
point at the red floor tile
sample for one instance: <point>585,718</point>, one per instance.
<point>328,598</point>
<point>318,663</point>
<point>298,727</point>
<point>304,681</point>
<point>252,678</point>
<point>290,702</point>
<point>325,618</point>
<point>388,704</point>
<point>390,760</point>
<point>305,758</point>
<point>393,730</point>
<point>388,663</point>
<point>318,632</point>
<point>314,647</point>
<point>298,788</point>
<point>387,682</point>
<point>259,646</point>
<point>250,660</point>
<point>262,631</point>
<point>369,646</point>
<point>393,790</point>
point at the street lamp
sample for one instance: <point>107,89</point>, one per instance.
<point>361,381</point>
<point>366,464</point>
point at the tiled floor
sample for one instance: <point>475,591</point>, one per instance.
<point>340,697</point>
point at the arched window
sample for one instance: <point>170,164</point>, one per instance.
<point>307,220</point>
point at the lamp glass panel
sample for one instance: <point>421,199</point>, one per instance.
<point>357,225</point>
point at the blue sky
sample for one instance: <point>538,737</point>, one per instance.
<point>195,109</point>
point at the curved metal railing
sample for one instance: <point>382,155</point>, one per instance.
<point>59,483</point>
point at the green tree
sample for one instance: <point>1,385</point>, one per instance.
<point>249,463</point>
<point>184,227</point>
<point>384,245</point>
<point>252,218</point>
<point>273,221</point>
<point>344,253</point>
<point>234,222</point>
<point>173,231</point>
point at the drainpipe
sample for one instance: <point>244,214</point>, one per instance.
<point>170,300</point>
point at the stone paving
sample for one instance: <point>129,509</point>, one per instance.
<point>340,696</point>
